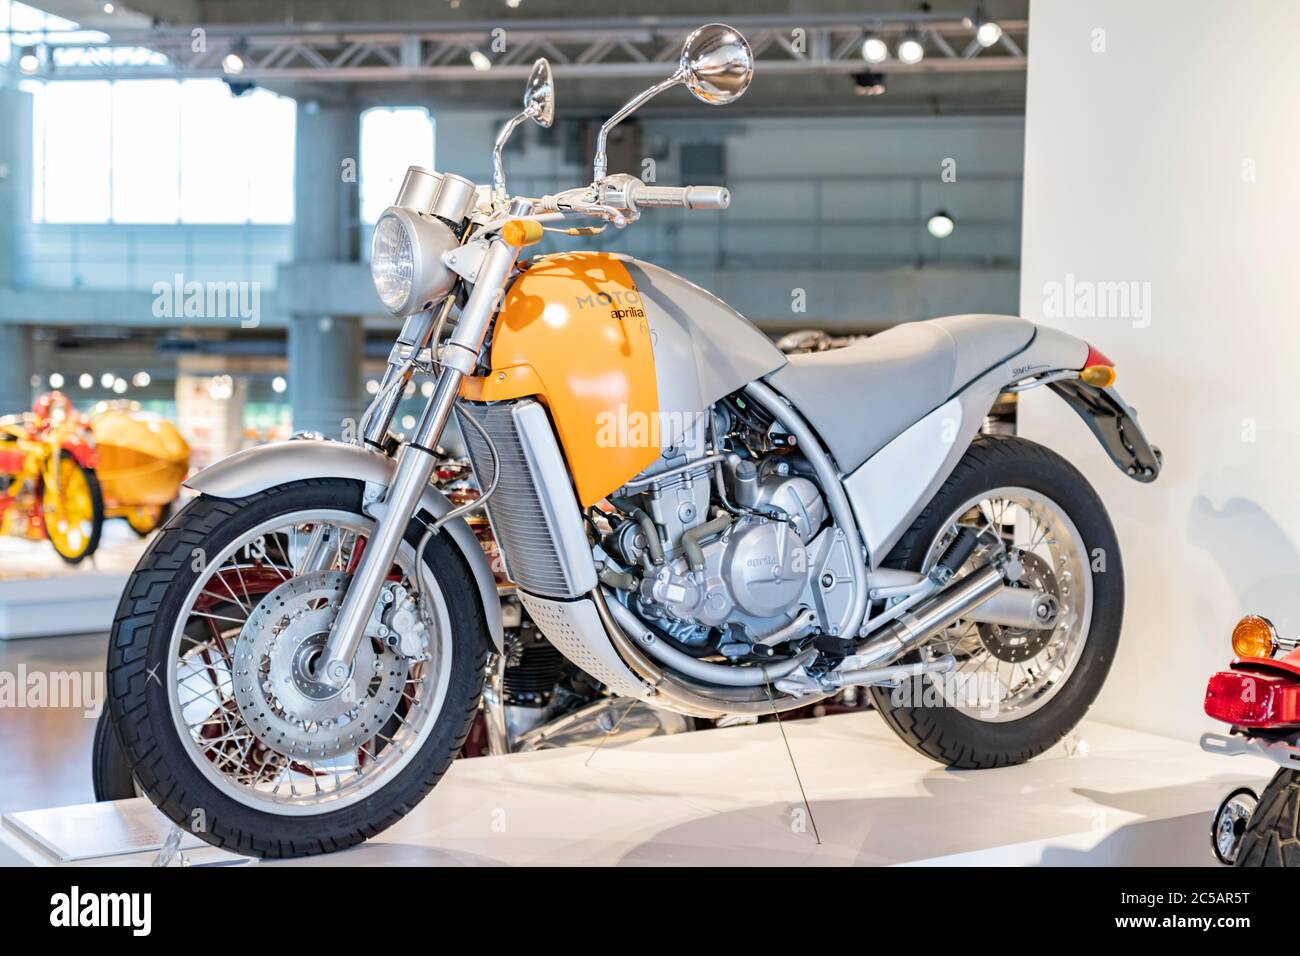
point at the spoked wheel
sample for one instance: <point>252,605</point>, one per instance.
<point>1014,691</point>
<point>72,508</point>
<point>213,681</point>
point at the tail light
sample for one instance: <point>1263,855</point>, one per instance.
<point>1246,699</point>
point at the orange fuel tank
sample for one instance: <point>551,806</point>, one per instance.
<point>573,332</point>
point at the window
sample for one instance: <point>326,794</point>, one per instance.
<point>391,140</point>
<point>161,151</point>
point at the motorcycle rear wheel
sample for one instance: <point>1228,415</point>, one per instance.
<point>1272,836</point>
<point>1036,699</point>
<point>205,691</point>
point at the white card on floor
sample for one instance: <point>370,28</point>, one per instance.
<point>92,830</point>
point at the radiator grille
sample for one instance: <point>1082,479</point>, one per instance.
<point>529,545</point>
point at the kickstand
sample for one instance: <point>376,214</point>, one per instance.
<point>795,767</point>
<point>169,854</point>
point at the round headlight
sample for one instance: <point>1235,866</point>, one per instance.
<point>392,263</point>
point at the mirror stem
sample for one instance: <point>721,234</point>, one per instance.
<point>601,163</point>
<point>498,168</point>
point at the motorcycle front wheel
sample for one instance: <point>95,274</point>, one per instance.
<point>211,673</point>
<point>1013,693</point>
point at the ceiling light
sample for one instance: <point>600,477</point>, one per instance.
<point>989,33</point>
<point>119,386</point>
<point>107,379</point>
<point>141,379</point>
<point>479,60</point>
<point>109,8</point>
<point>875,50</point>
<point>372,387</point>
<point>910,50</point>
<point>278,384</point>
<point>940,225</point>
<point>28,61</point>
<point>85,380</point>
<point>232,64</point>
<point>56,380</point>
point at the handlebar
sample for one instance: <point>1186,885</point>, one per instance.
<point>679,197</point>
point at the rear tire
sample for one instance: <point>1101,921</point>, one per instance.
<point>945,734</point>
<point>164,764</point>
<point>1272,836</point>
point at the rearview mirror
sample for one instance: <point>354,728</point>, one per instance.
<point>716,66</point>
<point>539,106</point>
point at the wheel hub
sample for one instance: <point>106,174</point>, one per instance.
<point>275,685</point>
<point>1013,644</point>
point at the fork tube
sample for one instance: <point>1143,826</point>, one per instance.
<point>415,463</point>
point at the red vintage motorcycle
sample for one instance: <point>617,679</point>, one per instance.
<point>1259,696</point>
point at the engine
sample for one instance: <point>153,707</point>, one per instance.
<point>725,549</point>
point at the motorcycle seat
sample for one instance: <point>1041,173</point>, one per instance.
<point>860,397</point>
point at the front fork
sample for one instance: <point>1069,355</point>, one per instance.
<point>415,463</point>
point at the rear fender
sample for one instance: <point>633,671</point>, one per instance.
<point>265,466</point>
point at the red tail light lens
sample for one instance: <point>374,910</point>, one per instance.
<point>1245,699</point>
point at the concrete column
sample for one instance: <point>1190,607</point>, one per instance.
<point>15,177</point>
<point>325,351</point>
<point>16,368</point>
<point>325,373</point>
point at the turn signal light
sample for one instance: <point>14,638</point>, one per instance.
<point>1244,699</point>
<point>522,232</point>
<point>1254,636</point>
<point>1098,376</point>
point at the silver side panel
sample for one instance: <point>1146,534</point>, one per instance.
<point>534,512</point>
<point>575,629</point>
<point>895,484</point>
<point>703,348</point>
<point>265,466</point>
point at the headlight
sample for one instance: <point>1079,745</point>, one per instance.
<point>392,263</point>
<point>406,260</point>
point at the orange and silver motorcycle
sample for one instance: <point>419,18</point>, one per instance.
<point>693,518</point>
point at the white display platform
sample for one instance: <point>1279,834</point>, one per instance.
<point>41,595</point>
<point>729,797</point>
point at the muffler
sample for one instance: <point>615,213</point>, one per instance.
<point>930,617</point>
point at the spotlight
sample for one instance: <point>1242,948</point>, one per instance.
<point>875,50</point>
<point>910,50</point>
<point>107,379</point>
<point>109,8</point>
<point>141,379</point>
<point>479,60</point>
<point>56,380</point>
<point>85,380</point>
<point>119,386</point>
<point>989,33</point>
<point>28,61</point>
<point>427,389</point>
<point>940,225</point>
<point>232,64</point>
<point>372,387</point>
<point>278,384</point>
<point>868,83</point>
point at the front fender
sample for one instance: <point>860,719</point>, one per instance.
<point>264,466</point>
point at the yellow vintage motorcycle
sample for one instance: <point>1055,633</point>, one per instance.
<point>693,518</point>
<point>48,486</point>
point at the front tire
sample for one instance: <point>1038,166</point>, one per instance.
<point>983,737</point>
<point>1272,836</point>
<point>210,775</point>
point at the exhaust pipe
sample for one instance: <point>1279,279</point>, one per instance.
<point>930,617</point>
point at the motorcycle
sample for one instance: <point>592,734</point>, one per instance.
<point>692,518</point>
<point>1259,697</point>
<point>48,483</point>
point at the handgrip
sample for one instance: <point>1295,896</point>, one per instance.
<point>681,197</point>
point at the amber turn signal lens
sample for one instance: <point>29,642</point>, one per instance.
<point>522,232</point>
<point>1254,636</point>
<point>1099,376</point>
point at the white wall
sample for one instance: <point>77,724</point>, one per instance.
<point>1169,158</point>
